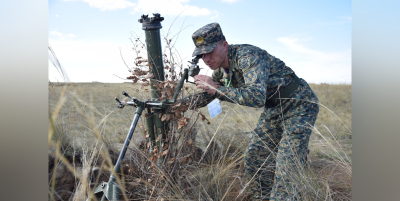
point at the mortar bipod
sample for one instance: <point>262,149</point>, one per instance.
<point>110,190</point>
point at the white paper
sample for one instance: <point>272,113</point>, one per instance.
<point>214,108</point>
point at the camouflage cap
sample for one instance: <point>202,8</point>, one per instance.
<point>205,39</point>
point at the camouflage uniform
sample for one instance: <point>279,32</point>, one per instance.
<point>277,151</point>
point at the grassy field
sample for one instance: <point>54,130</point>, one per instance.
<point>88,128</point>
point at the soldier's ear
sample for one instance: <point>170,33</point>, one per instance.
<point>225,45</point>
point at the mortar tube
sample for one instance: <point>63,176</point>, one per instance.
<point>151,27</point>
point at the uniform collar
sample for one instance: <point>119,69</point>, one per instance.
<point>231,52</point>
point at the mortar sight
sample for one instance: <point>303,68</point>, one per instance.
<point>194,69</point>
<point>149,23</point>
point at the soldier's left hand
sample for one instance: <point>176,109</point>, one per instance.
<point>206,83</point>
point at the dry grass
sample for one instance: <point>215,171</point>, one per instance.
<point>89,114</point>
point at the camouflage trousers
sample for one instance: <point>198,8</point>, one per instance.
<point>276,155</point>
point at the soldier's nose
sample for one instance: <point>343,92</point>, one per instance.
<point>206,58</point>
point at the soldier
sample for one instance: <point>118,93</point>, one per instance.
<point>249,76</point>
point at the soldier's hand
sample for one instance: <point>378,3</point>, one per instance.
<point>206,83</point>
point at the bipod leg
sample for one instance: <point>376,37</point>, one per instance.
<point>110,190</point>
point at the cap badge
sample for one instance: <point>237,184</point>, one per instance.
<point>199,39</point>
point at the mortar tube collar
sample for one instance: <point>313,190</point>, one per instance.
<point>152,23</point>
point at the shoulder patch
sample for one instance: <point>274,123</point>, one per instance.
<point>244,63</point>
<point>251,77</point>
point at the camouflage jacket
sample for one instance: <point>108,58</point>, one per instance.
<point>253,75</point>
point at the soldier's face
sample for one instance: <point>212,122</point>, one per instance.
<point>216,58</point>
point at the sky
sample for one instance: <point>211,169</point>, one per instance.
<point>90,37</point>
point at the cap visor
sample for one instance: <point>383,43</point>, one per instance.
<point>204,49</point>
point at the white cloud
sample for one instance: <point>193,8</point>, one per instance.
<point>91,61</point>
<point>108,4</point>
<point>229,1</point>
<point>57,15</point>
<point>166,7</point>
<point>172,7</point>
<point>215,16</point>
<point>317,66</point>
<point>58,34</point>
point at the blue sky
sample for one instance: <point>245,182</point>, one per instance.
<point>311,37</point>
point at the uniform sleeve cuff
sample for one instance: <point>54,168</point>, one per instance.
<point>220,93</point>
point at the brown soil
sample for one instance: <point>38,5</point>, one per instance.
<point>339,182</point>
<point>65,182</point>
